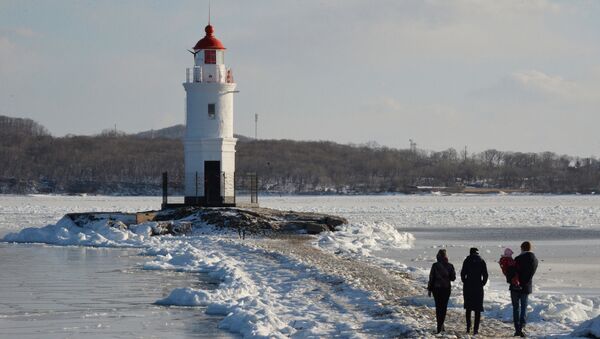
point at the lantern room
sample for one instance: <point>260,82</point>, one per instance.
<point>209,50</point>
<point>209,60</point>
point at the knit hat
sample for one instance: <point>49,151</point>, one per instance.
<point>508,252</point>
<point>442,255</point>
<point>474,250</point>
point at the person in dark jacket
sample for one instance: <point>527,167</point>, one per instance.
<point>526,265</point>
<point>440,277</point>
<point>474,276</point>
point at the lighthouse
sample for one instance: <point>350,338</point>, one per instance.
<point>209,144</point>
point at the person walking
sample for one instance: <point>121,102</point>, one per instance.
<point>526,265</point>
<point>474,276</point>
<point>440,277</point>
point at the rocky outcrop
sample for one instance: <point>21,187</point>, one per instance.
<point>261,220</point>
<point>180,221</point>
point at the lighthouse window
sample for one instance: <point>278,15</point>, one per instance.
<point>210,56</point>
<point>211,111</point>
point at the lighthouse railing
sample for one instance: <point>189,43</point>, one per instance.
<point>195,74</point>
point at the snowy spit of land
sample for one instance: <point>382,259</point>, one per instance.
<point>365,280</point>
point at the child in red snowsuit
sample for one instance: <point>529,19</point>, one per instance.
<point>508,264</point>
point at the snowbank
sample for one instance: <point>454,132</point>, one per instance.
<point>555,308</point>
<point>363,238</point>
<point>589,328</point>
<point>100,233</point>
<point>237,298</point>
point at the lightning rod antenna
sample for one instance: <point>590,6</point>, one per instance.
<point>209,12</point>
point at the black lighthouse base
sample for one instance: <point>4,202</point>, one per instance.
<point>210,202</point>
<point>203,202</point>
<point>212,197</point>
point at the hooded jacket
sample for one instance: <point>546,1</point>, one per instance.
<point>441,274</point>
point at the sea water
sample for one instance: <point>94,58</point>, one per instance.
<point>84,292</point>
<point>77,292</point>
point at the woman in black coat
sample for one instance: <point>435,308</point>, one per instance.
<point>441,274</point>
<point>474,276</point>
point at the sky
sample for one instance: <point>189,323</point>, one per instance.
<point>513,75</point>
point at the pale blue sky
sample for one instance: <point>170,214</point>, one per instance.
<point>513,75</point>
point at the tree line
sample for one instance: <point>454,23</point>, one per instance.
<point>112,162</point>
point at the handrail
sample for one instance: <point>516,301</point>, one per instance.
<point>196,74</point>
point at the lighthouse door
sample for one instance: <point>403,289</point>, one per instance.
<point>212,182</point>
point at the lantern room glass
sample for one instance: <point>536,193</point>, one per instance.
<point>210,56</point>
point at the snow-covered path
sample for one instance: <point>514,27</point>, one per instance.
<point>267,293</point>
<point>285,287</point>
<point>391,289</point>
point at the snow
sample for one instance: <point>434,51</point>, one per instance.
<point>101,233</point>
<point>589,328</point>
<point>262,294</point>
<point>18,211</point>
<point>481,211</point>
<point>363,238</point>
<point>553,308</point>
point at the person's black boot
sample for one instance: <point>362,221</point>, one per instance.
<point>477,320</point>
<point>519,333</point>
<point>468,319</point>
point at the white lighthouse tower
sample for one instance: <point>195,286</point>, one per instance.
<point>209,143</point>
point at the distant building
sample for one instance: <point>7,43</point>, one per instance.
<point>209,143</point>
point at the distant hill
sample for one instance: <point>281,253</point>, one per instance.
<point>112,162</point>
<point>174,132</point>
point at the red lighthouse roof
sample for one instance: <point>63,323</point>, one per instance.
<point>209,41</point>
